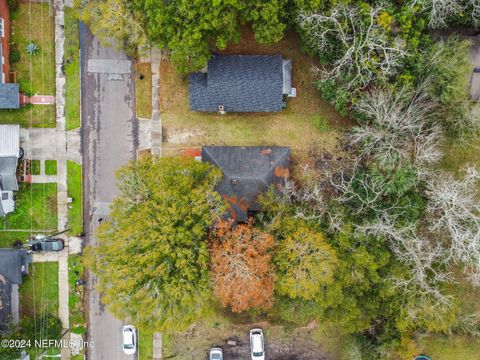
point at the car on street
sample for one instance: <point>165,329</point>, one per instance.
<point>256,344</point>
<point>216,354</point>
<point>129,336</point>
<point>47,244</point>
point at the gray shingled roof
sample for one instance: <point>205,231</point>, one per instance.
<point>241,83</point>
<point>9,151</point>
<point>9,96</point>
<point>247,172</point>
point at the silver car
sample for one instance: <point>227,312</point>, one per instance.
<point>256,344</point>
<point>216,354</point>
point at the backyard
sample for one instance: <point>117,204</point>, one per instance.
<point>307,119</point>
<point>33,23</point>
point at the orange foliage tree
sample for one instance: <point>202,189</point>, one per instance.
<point>243,274</point>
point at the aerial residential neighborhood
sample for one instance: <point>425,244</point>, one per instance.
<point>240,180</point>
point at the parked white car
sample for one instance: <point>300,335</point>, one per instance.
<point>216,354</point>
<point>129,335</point>
<point>256,344</point>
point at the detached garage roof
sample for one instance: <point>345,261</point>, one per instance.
<point>248,172</point>
<point>9,96</point>
<point>241,83</point>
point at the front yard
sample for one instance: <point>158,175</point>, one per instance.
<point>33,23</point>
<point>306,120</point>
<point>35,208</point>
<point>39,291</point>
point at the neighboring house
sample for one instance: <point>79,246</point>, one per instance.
<point>9,154</point>
<point>13,265</point>
<point>242,83</point>
<point>248,172</point>
<point>9,93</point>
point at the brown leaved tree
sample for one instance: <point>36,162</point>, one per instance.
<point>242,271</point>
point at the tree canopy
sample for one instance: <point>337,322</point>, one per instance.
<point>243,275</point>
<point>152,258</point>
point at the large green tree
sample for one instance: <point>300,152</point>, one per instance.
<point>191,29</point>
<point>152,259</point>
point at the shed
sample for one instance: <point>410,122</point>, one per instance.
<point>247,172</point>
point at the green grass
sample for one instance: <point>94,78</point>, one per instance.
<point>450,348</point>
<point>7,238</point>
<point>74,185</point>
<point>50,167</point>
<point>39,291</point>
<point>35,167</point>
<point>75,272</point>
<point>41,116</point>
<point>72,75</point>
<point>145,345</point>
<point>35,208</point>
<point>143,90</point>
<point>35,22</point>
<point>459,153</point>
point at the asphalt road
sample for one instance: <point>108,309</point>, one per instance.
<point>109,140</point>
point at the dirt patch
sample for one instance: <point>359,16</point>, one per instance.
<point>280,344</point>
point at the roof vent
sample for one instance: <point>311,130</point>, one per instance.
<point>221,110</point>
<point>234,181</point>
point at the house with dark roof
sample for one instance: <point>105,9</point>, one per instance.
<point>242,83</point>
<point>247,172</point>
<point>9,93</point>
<point>9,155</point>
<point>13,266</point>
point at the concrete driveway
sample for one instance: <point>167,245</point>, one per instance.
<point>108,141</point>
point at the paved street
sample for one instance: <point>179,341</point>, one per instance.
<point>108,141</point>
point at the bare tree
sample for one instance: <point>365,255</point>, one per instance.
<point>400,126</point>
<point>366,52</point>
<point>454,210</point>
<point>424,258</point>
<point>441,11</point>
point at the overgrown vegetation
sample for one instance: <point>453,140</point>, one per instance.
<point>380,241</point>
<point>75,299</point>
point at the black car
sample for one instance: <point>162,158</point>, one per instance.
<point>47,244</point>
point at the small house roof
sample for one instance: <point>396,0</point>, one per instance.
<point>9,96</point>
<point>9,151</point>
<point>240,83</point>
<point>247,172</point>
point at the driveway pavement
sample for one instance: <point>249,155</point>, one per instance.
<point>108,141</point>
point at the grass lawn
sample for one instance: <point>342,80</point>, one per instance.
<point>50,167</point>
<point>7,238</point>
<point>39,291</point>
<point>72,72</point>
<point>450,348</point>
<point>306,120</point>
<point>74,185</point>
<point>75,272</point>
<point>459,153</point>
<point>41,116</point>
<point>145,345</point>
<point>35,208</point>
<point>35,22</point>
<point>143,90</point>
<point>35,167</point>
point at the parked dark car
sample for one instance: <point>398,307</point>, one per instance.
<point>47,244</point>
